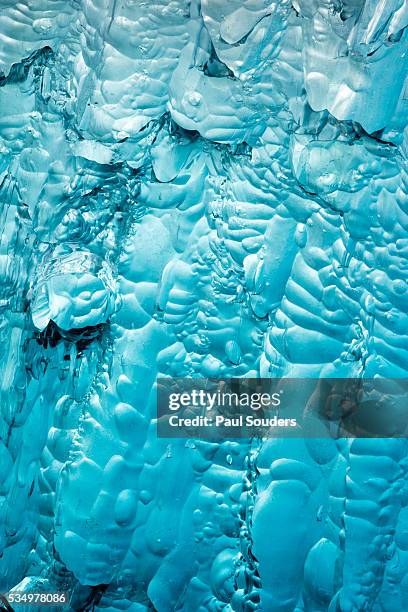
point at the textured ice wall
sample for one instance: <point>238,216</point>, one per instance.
<point>199,188</point>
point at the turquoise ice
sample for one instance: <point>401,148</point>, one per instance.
<point>199,188</point>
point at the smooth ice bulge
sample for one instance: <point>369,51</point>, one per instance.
<point>212,188</point>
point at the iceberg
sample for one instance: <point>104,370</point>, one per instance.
<point>212,189</point>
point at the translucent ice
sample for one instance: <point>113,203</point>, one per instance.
<point>199,188</point>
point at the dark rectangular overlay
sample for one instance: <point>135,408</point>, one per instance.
<point>287,407</point>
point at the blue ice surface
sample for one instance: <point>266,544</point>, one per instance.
<point>199,188</point>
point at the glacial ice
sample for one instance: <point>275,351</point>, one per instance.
<point>199,188</point>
